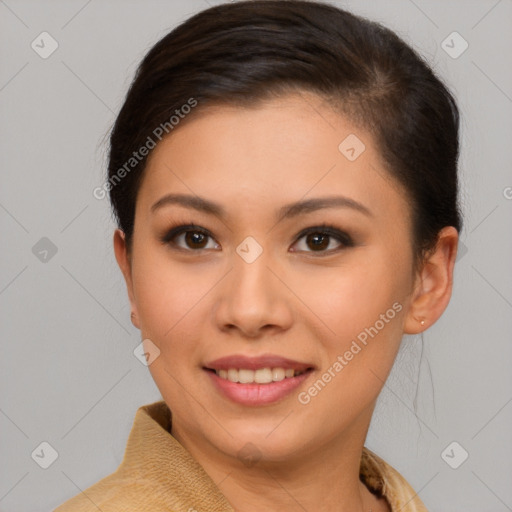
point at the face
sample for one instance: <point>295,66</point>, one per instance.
<point>310,301</point>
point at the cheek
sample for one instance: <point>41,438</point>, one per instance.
<point>160,292</point>
<point>363,305</point>
<point>354,294</point>
<point>356,360</point>
<point>172,303</point>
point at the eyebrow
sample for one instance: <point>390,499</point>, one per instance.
<point>287,211</point>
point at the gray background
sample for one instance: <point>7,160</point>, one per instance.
<point>68,374</point>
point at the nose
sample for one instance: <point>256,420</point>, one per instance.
<point>253,300</point>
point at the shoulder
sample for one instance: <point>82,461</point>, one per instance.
<point>156,474</point>
<point>384,480</point>
<point>131,486</point>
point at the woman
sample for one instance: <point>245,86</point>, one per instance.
<point>284,177</point>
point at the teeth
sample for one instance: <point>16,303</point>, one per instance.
<point>246,376</point>
<point>278,374</point>
<point>260,376</point>
<point>232,375</point>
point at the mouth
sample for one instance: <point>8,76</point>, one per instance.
<point>257,381</point>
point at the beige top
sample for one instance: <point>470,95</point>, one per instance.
<point>158,474</point>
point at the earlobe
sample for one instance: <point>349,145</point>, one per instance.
<point>433,287</point>
<point>123,260</point>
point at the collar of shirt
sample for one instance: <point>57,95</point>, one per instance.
<point>157,473</point>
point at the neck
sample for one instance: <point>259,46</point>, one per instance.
<point>326,475</point>
<point>295,486</point>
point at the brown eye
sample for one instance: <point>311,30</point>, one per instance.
<point>194,238</point>
<point>319,239</point>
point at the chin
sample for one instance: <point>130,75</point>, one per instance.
<point>264,444</point>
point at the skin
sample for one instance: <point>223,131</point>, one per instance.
<point>296,301</point>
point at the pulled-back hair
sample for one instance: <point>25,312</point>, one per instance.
<point>249,51</point>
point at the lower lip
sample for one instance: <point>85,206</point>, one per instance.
<point>258,394</point>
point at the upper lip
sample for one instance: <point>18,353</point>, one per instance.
<point>255,363</point>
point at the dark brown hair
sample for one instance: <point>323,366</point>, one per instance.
<point>244,52</point>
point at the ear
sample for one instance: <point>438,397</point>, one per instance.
<point>123,260</point>
<point>433,286</point>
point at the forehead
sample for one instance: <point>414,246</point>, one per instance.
<point>267,155</point>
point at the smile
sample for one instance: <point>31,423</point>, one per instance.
<point>257,381</point>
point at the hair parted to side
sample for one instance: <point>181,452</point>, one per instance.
<point>245,52</point>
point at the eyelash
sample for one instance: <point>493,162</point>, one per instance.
<point>322,229</point>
